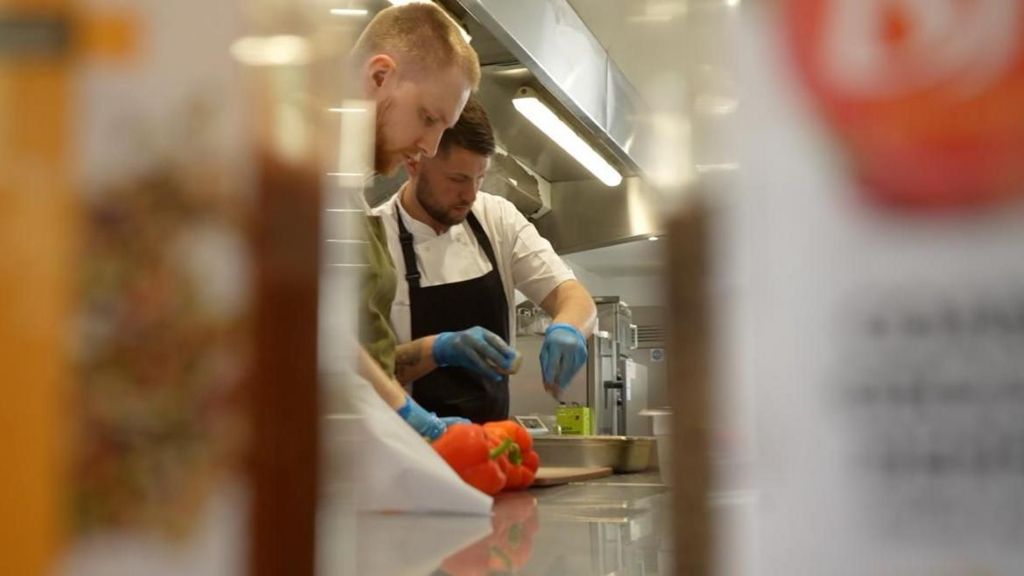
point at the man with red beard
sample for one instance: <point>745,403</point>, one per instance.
<point>413,64</point>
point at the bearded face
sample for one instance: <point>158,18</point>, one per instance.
<point>446,185</point>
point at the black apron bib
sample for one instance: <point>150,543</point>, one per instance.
<point>452,307</point>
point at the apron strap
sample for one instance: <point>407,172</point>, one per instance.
<point>412,272</point>
<point>482,239</point>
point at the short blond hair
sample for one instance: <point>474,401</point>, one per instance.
<point>418,32</point>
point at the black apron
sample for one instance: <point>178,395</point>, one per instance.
<point>452,307</point>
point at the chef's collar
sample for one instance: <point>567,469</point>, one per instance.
<point>416,227</point>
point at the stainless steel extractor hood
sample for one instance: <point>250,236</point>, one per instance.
<point>548,38</point>
<point>545,46</point>
<point>510,179</point>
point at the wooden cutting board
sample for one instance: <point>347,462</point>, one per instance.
<point>551,476</point>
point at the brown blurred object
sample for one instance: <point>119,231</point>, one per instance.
<point>285,415</point>
<point>689,368</point>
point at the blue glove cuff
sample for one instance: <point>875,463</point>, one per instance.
<point>568,327</point>
<point>406,408</point>
<point>439,347</point>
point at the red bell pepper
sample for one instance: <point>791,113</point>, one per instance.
<point>523,461</point>
<point>476,456</point>
<point>507,549</point>
<point>515,523</point>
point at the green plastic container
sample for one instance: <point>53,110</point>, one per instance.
<point>575,420</point>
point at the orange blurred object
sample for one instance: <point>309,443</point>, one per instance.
<point>925,97</point>
<point>37,236</point>
<point>110,36</point>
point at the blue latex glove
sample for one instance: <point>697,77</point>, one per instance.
<point>476,349</point>
<point>562,354</point>
<point>426,423</point>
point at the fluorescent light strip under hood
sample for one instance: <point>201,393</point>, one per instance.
<point>357,12</point>
<point>538,113</point>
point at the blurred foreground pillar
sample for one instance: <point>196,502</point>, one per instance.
<point>690,393</point>
<point>36,240</point>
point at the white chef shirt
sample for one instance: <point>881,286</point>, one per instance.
<point>526,261</point>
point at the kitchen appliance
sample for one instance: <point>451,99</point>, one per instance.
<point>615,317</point>
<point>613,386</point>
<point>533,424</point>
<point>606,387</point>
<point>616,385</point>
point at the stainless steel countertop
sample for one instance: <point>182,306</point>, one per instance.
<point>618,524</point>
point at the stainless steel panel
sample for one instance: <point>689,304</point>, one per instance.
<point>653,318</point>
<point>627,120</point>
<point>526,387</point>
<point>554,43</point>
<point>559,55</point>
<point>637,425</point>
<point>521,138</point>
<point>508,179</point>
<point>602,357</point>
<point>614,316</point>
<point>588,214</point>
<point>623,106</point>
<point>621,453</point>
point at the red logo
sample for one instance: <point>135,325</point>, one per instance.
<point>927,96</point>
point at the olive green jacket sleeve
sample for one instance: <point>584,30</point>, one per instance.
<point>378,292</point>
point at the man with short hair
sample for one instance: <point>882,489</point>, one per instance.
<point>413,63</point>
<point>460,255</point>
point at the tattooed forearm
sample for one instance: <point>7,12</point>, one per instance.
<point>406,360</point>
<point>414,359</point>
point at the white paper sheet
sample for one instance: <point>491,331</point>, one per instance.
<point>393,469</point>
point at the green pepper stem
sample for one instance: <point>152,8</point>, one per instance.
<point>502,555</point>
<point>500,449</point>
<point>515,455</point>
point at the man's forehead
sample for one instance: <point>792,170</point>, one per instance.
<point>459,159</point>
<point>449,107</point>
<point>445,94</point>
